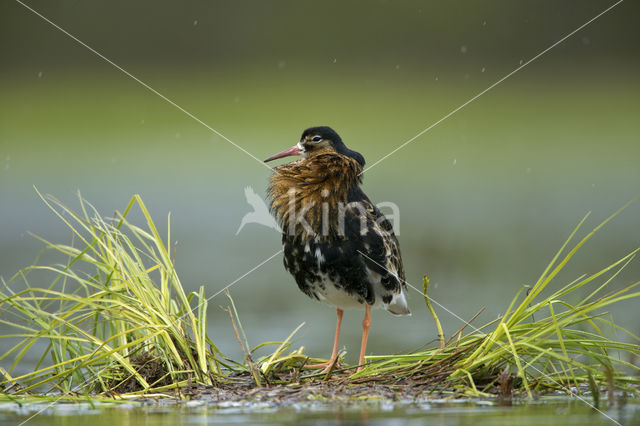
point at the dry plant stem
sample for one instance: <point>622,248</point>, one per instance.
<point>254,373</point>
<point>329,369</point>
<point>425,284</point>
<point>461,329</point>
<point>366,324</point>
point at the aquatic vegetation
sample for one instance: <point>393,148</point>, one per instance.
<point>548,343</point>
<point>116,321</point>
<point>115,315</point>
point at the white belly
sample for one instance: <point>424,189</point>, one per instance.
<point>339,298</point>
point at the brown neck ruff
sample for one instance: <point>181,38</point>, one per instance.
<point>313,189</point>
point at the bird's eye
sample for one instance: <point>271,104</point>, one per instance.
<point>316,138</point>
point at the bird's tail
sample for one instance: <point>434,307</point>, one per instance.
<point>398,305</point>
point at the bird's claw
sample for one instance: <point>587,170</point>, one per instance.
<point>326,366</point>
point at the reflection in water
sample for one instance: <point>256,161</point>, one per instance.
<point>550,412</point>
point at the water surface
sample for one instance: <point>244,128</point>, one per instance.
<point>552,411</point>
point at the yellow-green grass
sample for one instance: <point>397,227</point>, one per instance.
<point>117,321</point>
<point>115,309</point>
<point>550,343</point>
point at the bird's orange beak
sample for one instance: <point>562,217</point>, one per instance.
<point>294,150</point>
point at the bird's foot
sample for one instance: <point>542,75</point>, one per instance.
<point>326,366</point>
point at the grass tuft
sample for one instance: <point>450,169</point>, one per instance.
<point>546,343</point>
<point>114,317</point>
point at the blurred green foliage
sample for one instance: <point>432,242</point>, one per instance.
<point>485,197</point>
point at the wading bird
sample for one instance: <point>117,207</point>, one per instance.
<point>338,246</point>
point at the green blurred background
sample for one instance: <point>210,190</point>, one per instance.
<point>486,197</point>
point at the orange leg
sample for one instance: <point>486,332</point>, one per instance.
<point>334,353</point>
<point>366,324</point>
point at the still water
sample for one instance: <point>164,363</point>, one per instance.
<point>464,412</point>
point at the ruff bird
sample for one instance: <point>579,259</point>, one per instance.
<point>337,245</point>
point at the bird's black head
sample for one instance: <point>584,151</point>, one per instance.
<point>323,137</point>
<point>316,140</point>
